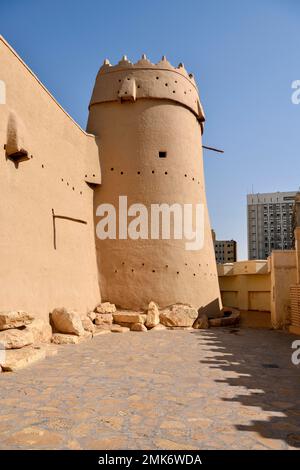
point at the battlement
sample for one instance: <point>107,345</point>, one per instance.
<point>127,81</point>
<point>144,63</point>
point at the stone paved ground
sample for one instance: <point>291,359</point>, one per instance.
<point>214,389</point>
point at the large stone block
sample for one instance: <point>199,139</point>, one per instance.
<point>158,327</point>
<point>178,315</point>
<point>103,319</point>
<point>106,307</point>
<point>16,339</point>
<point>41,330</point>
<point>60,338</point>
<point>19,358</point>
<point>101,331</point>
<point>129,317</point>
<point>67,321</point>
<point>152,315</point>
<point>14,319</point>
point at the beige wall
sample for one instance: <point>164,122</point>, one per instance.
<point>34,276</point>
<point>283,274</point>
<point>245,285</point>
<point>295,288</point>
<point>261,285</point>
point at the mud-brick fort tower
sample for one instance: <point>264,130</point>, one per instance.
<point>143,141</point>
<point>149,121</point>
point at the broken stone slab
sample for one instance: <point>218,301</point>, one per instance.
<point>15,319</point>
<point>106,307</point>
<point>88,325</point>
<point>101,331</point>
<point>129,317</point>
<point>201,322</point>
<point>61,338</point>
<point>119,329</point>
<point>16,339</point>
<point>41,330</point>
<point>178,315</point>
<point>19,358</point>
<point>152,318</point>
<point>138,327</point>
<point>67,321</point>
<point>158,327</point>
<point>104,318</point>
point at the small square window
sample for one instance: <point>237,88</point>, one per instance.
<point>19,156</point>
<point>162,154</point>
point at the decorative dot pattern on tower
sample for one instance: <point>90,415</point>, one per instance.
<point>149,121</point>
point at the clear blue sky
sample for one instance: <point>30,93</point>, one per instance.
<point>244,55</point>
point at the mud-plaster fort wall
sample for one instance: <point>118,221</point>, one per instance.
<point>51,185</point>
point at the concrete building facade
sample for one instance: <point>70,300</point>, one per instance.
<point>225,250</point>
<point>270,223</point>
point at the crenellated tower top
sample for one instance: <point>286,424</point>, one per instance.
<point>127,81</point>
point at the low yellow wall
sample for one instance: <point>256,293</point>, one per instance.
<point>246,285</point>
<point>261,285</point>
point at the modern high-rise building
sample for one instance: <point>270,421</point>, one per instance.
<point>225,250</point>
<point>270,223</point>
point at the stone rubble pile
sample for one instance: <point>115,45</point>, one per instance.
<point>25,339</point>
<point>178,316</point>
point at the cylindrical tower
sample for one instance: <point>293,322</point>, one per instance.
<point>149,121</point>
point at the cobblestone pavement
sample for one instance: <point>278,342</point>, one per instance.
<point>213,389</point>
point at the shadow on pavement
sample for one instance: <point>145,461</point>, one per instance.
<point>262,361</point>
